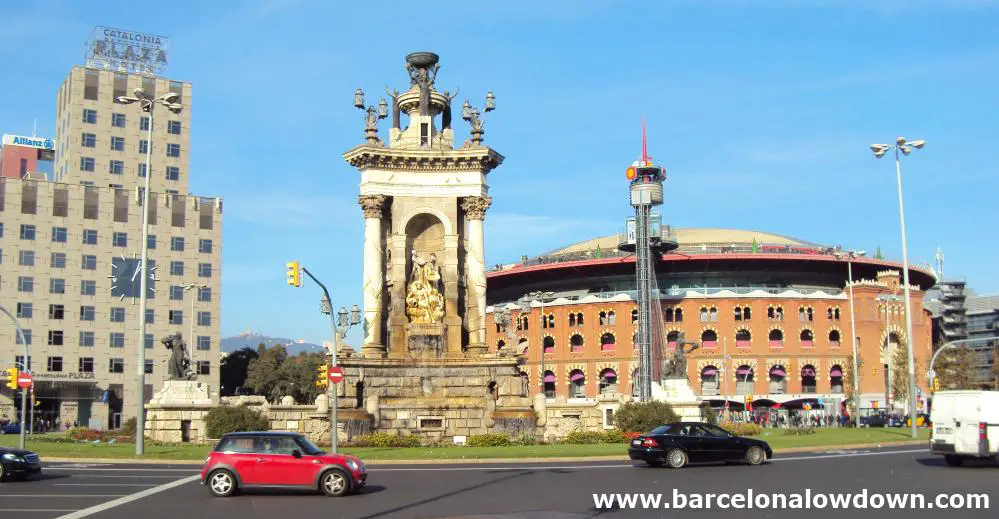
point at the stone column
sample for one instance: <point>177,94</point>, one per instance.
<point>475,272</point>
<point>374,279</point>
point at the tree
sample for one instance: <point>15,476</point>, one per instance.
<point>233,371</point>
<point>263,374</point>
<point>900,373</point>
<point>878,255</point>
<point>756,245</point>
<point>274,374</point>
<point>956,368</point>
<point>848,380</point>
<point>643,416</point>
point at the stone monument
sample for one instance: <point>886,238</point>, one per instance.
<point>178,408</point>
<point>674,387</point>
<point>423,367</point>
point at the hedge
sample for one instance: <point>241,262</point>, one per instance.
<point>226,419</point>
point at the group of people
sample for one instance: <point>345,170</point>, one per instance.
<point>41,424</point>
<point>794,418</point>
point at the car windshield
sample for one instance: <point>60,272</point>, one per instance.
<point>309,448</point>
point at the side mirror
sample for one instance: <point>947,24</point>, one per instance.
<point>297,453</point>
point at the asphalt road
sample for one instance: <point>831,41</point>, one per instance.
<point>503,491</point>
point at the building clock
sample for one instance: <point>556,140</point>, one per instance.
<point>125,280</point>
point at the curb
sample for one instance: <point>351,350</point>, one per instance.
<point>457,461</point>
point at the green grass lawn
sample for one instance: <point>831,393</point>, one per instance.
<point>822,438</point>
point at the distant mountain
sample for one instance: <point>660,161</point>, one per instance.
<point>251,338</point>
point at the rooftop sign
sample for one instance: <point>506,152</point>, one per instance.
<point>127,51</point>
<point>30,142</point>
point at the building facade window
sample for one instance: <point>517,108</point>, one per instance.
<point>59,234</point>
<point>86,365</point>
<point>87,164</point>
<point>177,268</point>
<point>88,140</point>
<point>87,339</point>
<point>116,366</point>
<point>57,312</point>
<point>117,314</point>
<point>25,284</point>
<point>88,262</point>
<point>176,293</point>
<point>177,243</point>
<point>204,270</point>
<point>27,337</point>
<point>25,310</point>
<point>117,144</point>
<point>55,364</point>
<point>143,146</point>
<point>117,340</point>
<point>89,116</point>
<point>87,313</point>
<point>205,295</point>
<point>57,286</point>
<point>173,150</point>
<point>151,241</point>
<point>144,124</point>
<point>204,367</point>
<point>172,173</point>
<point>148,366</point>
<point>26,258</point>
<point>204,343</point>
<point>116,167</point>
<point>118,120</point>
<point>90,237</point>
<point>173,127</point>
<point>55,338</point>
<point>204,318</point>
<point>150,316</point>
<point>88,287</point>
<point>176,317</point>
<point>27,231</point>
<point>119,239</point>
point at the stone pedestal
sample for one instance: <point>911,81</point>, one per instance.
<point>678,394</point>
<point>190,392</point>
<point>426,340</point>
<point>177,412</point>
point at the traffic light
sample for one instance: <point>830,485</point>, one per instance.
<point>874,371</point>
<point>321,378</point>
<point>11,374</point>
<point>294,274</point>
<point>936,384</point>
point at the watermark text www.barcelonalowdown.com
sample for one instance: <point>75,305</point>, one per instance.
<point>806,499</point>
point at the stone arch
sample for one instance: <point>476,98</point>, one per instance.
<point>548,343</point>
<point>807,336</point>
<point>835,335</point>
<point>577,342</point>
<point>608,340</point>
<point>413,213</point>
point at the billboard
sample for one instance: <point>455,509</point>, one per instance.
<point>127,51</point>
<point>41,143</point>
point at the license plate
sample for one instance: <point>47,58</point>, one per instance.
<point>636,443</point>
<point>944,430</point>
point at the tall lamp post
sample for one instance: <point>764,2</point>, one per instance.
<point>541,296</point>
<point>850,255</point>
<point>192,288</point>
<point>147,103</point>
<point>905,147</point>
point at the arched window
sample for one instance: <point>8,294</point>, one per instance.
<point>830,312</point>
<point>549,381</point>
<point>778,380</point>
<point>811,316</point>
<point>776,338</point>
<point>775,313</point>
<point>576,343</point>
<point>611,317</point>
<point>836,313</point>
<point>704,314</point>
<point>713,314</point>
<point>520,323</point>
<point>548,321</point>
<point>608,382</point>
<point>747,314</point>
<point>744,380</point>
<point>834,338</point>
<point>808,378</point>
<point>579,319</point>
<point>709,381</point>
<point>738,313</point>
<point>807,338</point>
<point>525,321</point>
<point>634,316</point>
<point>780,313</point>
<point>836,379</point>
<point>678,314</point>
<point>672,338</point>
<point>709,339</point>
<point>603,318</point>
<point>607,342</point>
<point>801,313</point>
<point>743,339</point>
<point>577,384</point>
<point>549,344</point>
<point>522,346</point>
<point>572,319</point>
<point>667,315</point>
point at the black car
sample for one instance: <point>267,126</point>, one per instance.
<point>18,464</point>
<point>678,443</point>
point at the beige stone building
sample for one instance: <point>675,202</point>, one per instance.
<point>66,241</point>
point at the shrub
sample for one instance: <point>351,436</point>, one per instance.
<point>799,431</point>
<point>225,419</point>
<point>710,416</point>
<point>385,440</point>
<point>642,417</point>
<point>615,436</point>
<point>84,434</point>
<point>128,428</point>
<point>742,428</point>
<point>524,440</point>
<point>488,440</point>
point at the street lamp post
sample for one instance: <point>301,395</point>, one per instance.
<point>147,104</point>
<point>905,147</point>
<point>541,296</point>
<point>192,288</point>
<point>849,255</point>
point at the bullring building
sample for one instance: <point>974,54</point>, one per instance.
<point>771,314</point>
<point>67,237</point>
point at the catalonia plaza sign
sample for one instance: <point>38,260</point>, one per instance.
<point>63,376</point>
<point>127,51</point>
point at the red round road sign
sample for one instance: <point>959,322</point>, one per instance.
<point>335,374</point>
<point>24,380</point>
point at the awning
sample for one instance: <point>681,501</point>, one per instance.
<point>744,370</point>
<point>549,377</point>
<point>836,372</point>
<point>609,373</point>
<point>808,372</point>
<point>778,372</point>
<point>576,376</point>
<point>709,372</point>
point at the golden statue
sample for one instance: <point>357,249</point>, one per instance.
<point>424,300</point>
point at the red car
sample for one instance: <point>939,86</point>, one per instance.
<point>279,459</point>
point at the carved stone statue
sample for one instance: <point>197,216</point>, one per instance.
<point>394,94</point>
<point>446,118</point>
<point>676,367</point>
<point>424,78</point>
<point>372,119</point>
<point>424,300</point>
<point>179,365</point>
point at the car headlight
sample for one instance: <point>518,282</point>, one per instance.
<point>12,457</point>
<point>353,465</point>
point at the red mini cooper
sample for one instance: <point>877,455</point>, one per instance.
<point>279,459</point>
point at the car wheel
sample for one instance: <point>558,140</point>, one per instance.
<point>676,458</point>
<point>3,474</point>
<point>755,456</point>
<point>222,483</point>
<point>654,463</point>
<point>954,461</point>
<point>335,483</point>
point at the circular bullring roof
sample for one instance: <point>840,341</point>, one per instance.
<point>693,237</point>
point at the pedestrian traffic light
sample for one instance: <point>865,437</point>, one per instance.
<point>294,274</point>
<point>321,378</point>
<point>11,377</point>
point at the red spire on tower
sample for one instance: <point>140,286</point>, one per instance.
<point>645,152</point>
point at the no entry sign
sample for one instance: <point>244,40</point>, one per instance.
<point>335,374</point>
<point>24,380</point>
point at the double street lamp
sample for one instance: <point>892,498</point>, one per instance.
<point>147,103</point>
<point>904,147</point>
<point>540,296</point>
<point>850,256</point>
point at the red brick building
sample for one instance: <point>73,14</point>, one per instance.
<point>778,308</point>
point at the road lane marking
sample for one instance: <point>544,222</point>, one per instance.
<point>61,496</point>
<point>122,469</point>
<point>106,484</point>
<point>86,512</point>
<point>85,476</point>
<point>50,510</point>
<point>628,465</point>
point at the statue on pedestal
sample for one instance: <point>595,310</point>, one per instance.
<point>676,367</point>
<point>424,300</point>
<point>179,365</point>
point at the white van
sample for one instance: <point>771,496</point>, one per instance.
<point>965,425</point>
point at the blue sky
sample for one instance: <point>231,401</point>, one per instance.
<point>761,110</point>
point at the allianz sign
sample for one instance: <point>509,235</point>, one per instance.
<point>31,142</point>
